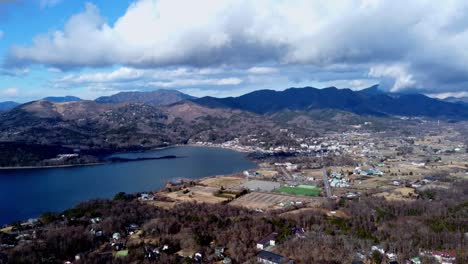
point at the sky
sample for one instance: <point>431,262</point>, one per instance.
<point>230,47</point>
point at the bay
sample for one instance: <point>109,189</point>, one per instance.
<point>28,193</point>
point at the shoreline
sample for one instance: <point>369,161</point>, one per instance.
<point>116,153</point>
<point>52,167</point>
<point>157,190</point>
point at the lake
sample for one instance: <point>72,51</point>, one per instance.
<point>28,193</point>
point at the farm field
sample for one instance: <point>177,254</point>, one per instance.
<point>268,201</point>
<point>307,190</point>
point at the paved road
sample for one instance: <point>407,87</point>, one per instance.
<point>326,184</point>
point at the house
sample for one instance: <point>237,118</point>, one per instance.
<point>391,256</point>
<point>299,232</point>
<point>219,251</point>
<point>152,253</point>
<point>380,249</point>
<point>198,257</point>
<point>267,241</point>
<point>118,246</point>
<point>95,220</point>
<point>132,228</point>
<point>371,172</point>
<point>414,260</point>
<point>116,236</point>
<point>443,257</point>
<point>146,197</point>
<point>267,257</point>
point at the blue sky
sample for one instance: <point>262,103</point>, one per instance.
<point>230,47</point>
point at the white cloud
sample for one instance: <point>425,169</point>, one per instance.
<point>449,94</point>
<point>12,91</point>
<point>195,82</point>
<point>399,73</point>
<point>262,70</point>
<point>2,34</point>
<point>125,78</point>
<point>428,37</point>
<point>204,32</point>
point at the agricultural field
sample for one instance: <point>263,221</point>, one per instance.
<point>223,181</point>
<point>269,201</point>
<point>306,190</point>
<point>203,194</point>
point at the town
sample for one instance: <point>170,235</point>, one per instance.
<point>309,176</point>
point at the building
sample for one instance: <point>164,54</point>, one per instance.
<point>267,241</point>
<point>267,257</point>
<point>443,257</point>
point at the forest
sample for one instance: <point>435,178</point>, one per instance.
<point>438,220</point>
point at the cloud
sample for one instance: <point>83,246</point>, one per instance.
<point>195,82</point>
<point>125,78</point>
<point>416,44</point>
<point>12,91</point>
<point>398,73</point>
<point>262,70</point>
<point>16,72</point>
<point>2,34</point>
<point>449,94</point>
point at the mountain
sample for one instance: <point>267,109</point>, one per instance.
<point>154,98</point>
<point>373,90</point>
<point>369,101</point>
<point>8,105</point>
<point>459,100</point>
<point>62,99</point>
<point>124,125</point>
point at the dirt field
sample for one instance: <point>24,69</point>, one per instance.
<point>398,194</point>
<point>268,173</point>
<point>197,193</point>
<point>314,173</point>
<point>225,181</point>
<point>267,201</point>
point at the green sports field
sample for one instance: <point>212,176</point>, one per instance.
<point>308,190</point>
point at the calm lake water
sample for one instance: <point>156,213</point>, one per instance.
<point>27,194</point>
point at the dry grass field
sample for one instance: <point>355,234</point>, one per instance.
<point>399,194</point>
<point>268,201</point>
<point>202,194</point>
<point>224,181</point>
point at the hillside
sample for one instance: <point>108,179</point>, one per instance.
<point>8,105</point>
<point>90,124</point>
<point>366,102</point>
<point>460,100</point>
<point>154,98</point>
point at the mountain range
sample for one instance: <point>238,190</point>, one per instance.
<point>62,99</point>
<point>459,100</point>
<point>152,119</point>
<point>153,98</point>
<point>8,105</point>
<point>370,101</point>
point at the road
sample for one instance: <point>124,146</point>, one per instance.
<point>326,184</point>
